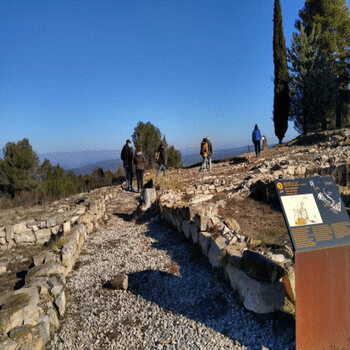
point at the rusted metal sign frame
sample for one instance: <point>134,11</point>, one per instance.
<point>323,299</point>
<point>322,266</point>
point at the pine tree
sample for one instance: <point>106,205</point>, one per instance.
<point>281,91</point>
<point>313,84</point>
<point>331,22</point>
<point>149,138</point>
<point>18,169</point>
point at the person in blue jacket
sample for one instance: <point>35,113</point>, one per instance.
<point>256,138</point>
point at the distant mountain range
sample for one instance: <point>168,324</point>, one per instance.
<point>84,162</point>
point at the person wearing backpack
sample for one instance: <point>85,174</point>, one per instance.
<point>140,163</point>
<point>204,152</point>
<point>256,138</point>
<point>161,159</point>
<point>210,153</point>
<point>127,156</point>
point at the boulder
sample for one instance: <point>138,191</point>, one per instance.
<point>204,239</point>
<point>149,197</point>
<point>217,251</point>
<point>261,268</point>
<point>120,282</point>
<point>258,296</point>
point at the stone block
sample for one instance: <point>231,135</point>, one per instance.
<point>68,253</point>
<point>80,210</point>
<point>21,227</point>
<point>26,237</point>
<point>217,251</point>
<point>204,239</point>
<point>258,296</point>
<point>56,229</point>
<point>43,235</point>
<point>7,343</point>
<point>60,302</point>
<point>53,319</point>
<point>66,227</point>
<point>9,233</point>
<point>232,224</point>
<point>261,268</point>
<point>149,197</point>
<point>186,228</point>
<point>233,256</point>
<point>194,232</point>
<point>2,232</point>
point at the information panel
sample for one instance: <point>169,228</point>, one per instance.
<point>314,212</point>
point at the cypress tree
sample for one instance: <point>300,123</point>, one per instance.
<point>281,91</point>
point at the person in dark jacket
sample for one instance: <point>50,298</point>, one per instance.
<point>256,138</point>
<point>162,159</point>
<point>127,156</point>
<point>140,163</point>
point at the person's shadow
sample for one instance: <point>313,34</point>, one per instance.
<point>192,288</point>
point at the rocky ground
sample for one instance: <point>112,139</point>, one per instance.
<point>174,299</point>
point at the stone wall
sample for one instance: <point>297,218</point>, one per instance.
<point>260,281</point>
<point>32,312</point>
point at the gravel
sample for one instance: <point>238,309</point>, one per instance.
<point>174,300</point>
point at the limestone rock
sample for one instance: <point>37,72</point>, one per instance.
<point>258,296</point>
<point>216,251</point>
<point>149,197</point>
<point>204,239</point>
<point>7,343</point>
<point>43,235</point>
<point>261,268</point>
<point>60,302</point>
<point>232,224</point>
<point>26,237</point>
<point>120,282</point>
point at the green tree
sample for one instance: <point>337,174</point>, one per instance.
<point>331,22</point>
<point>148,137</point>
<point>281,91</point>
<point>18,169</point>
<point>313,88</point>
<point>174,157</point>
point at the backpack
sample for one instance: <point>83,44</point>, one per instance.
<point>204,149</point>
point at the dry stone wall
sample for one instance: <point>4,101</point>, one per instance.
<point>256,278</point>
<point>32,312</point>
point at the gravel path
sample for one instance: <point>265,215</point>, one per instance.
<point>175,300</point>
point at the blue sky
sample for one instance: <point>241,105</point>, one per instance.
<point>80,74</point>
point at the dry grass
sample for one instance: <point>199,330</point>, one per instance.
<point>258,220</point>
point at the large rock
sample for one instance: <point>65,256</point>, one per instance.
<point>258,296</point>
<point>21,308</point>
<point>217,251</point>
<point>204,239</point>
<point>261,268</point>
<point>26,237</point>
<point>43,235</point>
<point>149,197</point>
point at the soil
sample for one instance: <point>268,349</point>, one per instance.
<point>258,220</point>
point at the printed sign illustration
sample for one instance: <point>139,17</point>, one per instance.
<point>314,212</point>
<point>301,210</point>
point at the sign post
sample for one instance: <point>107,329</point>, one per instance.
<point>319,227</point>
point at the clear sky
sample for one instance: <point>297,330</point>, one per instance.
<point>80,74</point>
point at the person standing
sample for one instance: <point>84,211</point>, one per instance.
<point>256,138</point>
<point>161,159</point>
<point>210,153</point>
<point>140,162</point>
<point>127,156</point>
<point>204,152</point>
